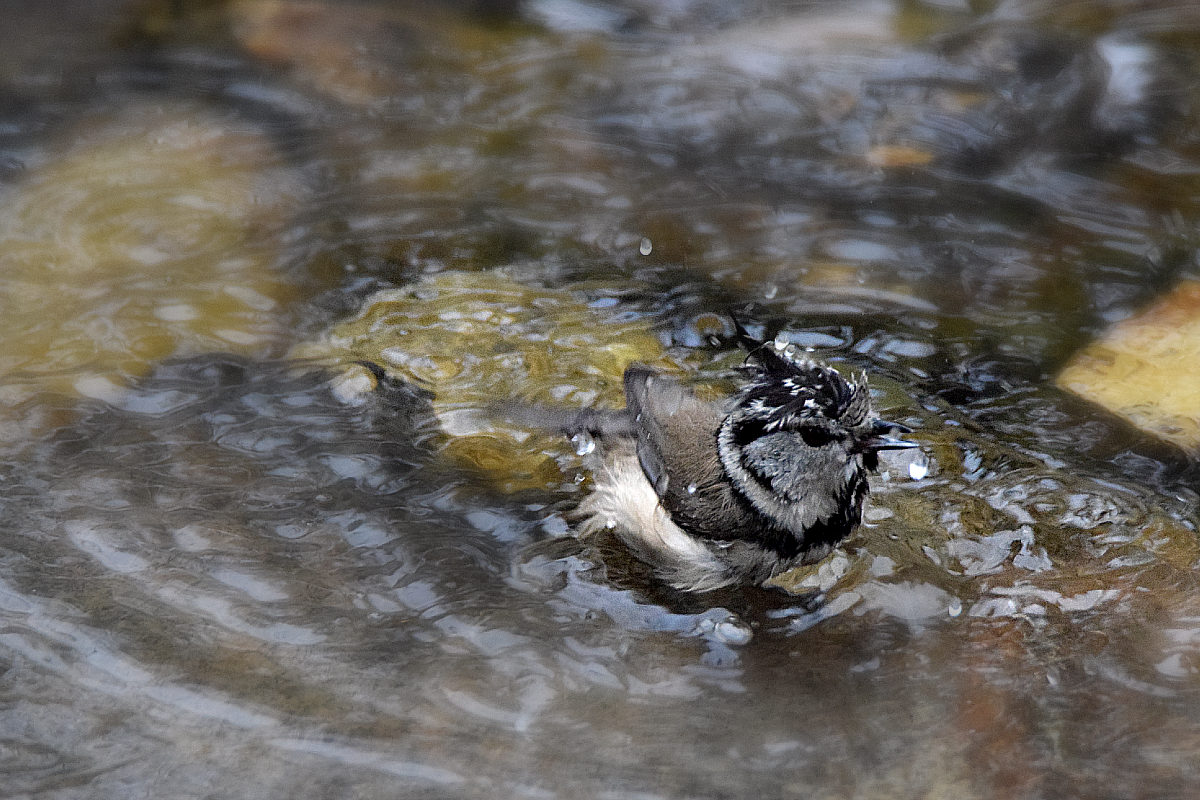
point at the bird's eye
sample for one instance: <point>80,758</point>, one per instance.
<point>746,432</point>
<point>815,437</point>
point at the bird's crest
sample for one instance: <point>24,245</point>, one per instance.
<point>785,388</point>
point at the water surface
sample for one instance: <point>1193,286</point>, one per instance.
<point>222,575</point>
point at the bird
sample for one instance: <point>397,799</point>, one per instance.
<point>713,494</point>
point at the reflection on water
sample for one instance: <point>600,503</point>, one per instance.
<point>224,572</point>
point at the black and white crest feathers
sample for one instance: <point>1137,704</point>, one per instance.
<point>785,390</point>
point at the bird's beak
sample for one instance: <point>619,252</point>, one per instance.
<point>882,437</point>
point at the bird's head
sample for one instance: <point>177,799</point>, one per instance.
<point>800,437</point>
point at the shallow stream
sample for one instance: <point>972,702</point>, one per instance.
<point>227,571</point>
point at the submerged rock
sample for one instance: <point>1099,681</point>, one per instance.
<point>478,339</point>
<point>357,53</point>
<point>817,103</point>
<point>1144,369</point>
<point>157,231</point>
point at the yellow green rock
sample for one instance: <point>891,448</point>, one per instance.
<point>156,231</point>
<point>1145,368</point>
<point>480,339</point>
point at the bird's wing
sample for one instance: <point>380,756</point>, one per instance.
<point>594,422</point>
<point>677,446</point>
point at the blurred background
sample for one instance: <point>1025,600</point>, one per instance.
<point>233,563</point>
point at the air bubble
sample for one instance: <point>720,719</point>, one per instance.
<point>691,489</point>
<point>646,247</point>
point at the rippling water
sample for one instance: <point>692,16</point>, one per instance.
<point>227,571</point>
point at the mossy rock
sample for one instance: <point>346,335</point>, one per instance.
<point>479,340</point>
<point>155,232</point>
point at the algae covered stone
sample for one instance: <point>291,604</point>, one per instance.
<point>149,232</point>
<point>480,339</point>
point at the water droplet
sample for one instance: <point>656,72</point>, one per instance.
<point>918,468</point>
<point>732,631</point>
<point>691,489</point>
<point>955,607</point>
<point>584,444</point>
<point>646,247</point>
